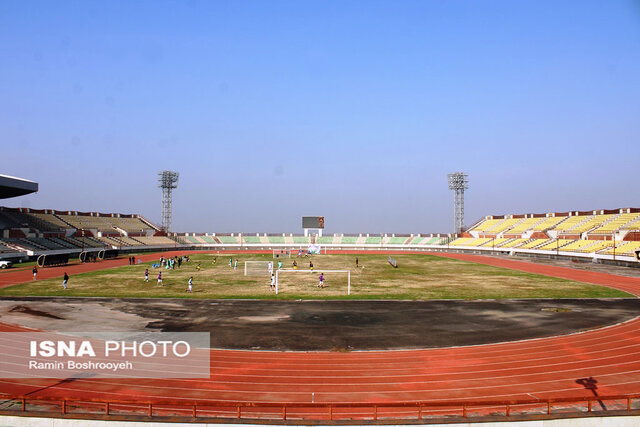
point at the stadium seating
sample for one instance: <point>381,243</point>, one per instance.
<point>525,225</point>
<point>487,225</point>
<point>250,239</point>
<point>229,240</point>
<point>597,246</point>
<point>515,243</point>
<point>617,223</point>
<point>64,244</point>
<point>46,222</point>
<point>534,243</point>
<point>572,222</point>
<point>325,240</point>
<point>349,240</point>
<point>11,220</point>
<point>397,240</point>
<point>578,245</point>
<point>549,223</point>
<point>461,241</point>
<point>159,240</point>
<point>86,242</point>
<point>625,249</point>
<point>435,241</point>
<point>496,243</point>
<point>555,244</point>
<point>44,232</point>
<point>505,225</point>
<point>121,241</point>
<point>635,225</point>
<point>480,241</point>
<point>593,222</point>
<point>26,244</point>
<point>4,248</point>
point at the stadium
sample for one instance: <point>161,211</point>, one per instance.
<point>341,359</point>
<point>319,213</point>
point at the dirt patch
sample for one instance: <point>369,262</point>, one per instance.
<point>328,325</point>
<point>33,312</point>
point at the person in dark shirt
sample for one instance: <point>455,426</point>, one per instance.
<point>65,280</point>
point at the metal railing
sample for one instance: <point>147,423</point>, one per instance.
<point>183,410</point>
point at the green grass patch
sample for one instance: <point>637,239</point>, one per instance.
<point>419,277</point>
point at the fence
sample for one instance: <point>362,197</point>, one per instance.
<point>183,410</point>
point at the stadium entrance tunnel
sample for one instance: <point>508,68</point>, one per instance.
<point>325,325</point>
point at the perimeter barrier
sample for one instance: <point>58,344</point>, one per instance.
<point>427,411</point>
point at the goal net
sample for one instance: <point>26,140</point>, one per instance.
<point>301,280</point>
<point>281,253</point>
<point>258,268</point>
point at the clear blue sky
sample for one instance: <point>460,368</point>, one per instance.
<point>355,110</point>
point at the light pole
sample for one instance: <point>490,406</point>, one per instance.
<point>167,181</point>
<point>458,182</point>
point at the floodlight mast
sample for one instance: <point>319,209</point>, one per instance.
<point>458,182</point>
<point>167,180</point>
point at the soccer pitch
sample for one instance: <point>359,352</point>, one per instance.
<point>418,277</point>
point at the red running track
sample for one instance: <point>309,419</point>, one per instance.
<point>540,368</point>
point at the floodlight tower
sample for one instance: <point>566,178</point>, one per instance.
<point>167,180</point>
<point>458,182</point>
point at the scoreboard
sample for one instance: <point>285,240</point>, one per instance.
<point>312,222</point>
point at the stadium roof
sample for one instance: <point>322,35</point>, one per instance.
<point>10,186</point>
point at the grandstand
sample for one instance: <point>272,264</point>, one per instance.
<point>596,234</point>
<point>592,234</point>
<point>31,232</point>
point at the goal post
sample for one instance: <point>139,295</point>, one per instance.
<point>278,272</point>
<point>258,268</point>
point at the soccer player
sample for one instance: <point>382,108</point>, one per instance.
<point>160,279</point>
<point>321,284</point>
<point>230,262</point>
<point>311,265</point>
<point>65,280</point>
<point>356,262</point>
<point>146,274</point>
<point>190,284</point>
<point>35,272</point>
<point>270,267</point>
<point>198,267</point>
<point>295,265</point>
<point>235,264</point>
<point>279,265</point>
<point>272,286</point>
